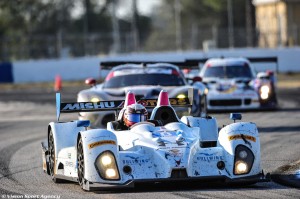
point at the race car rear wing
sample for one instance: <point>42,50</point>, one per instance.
<point>116,105</point>
<point>188,63</point>
<point>197,61</point>
<point>111,64</point>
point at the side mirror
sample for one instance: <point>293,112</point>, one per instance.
<point>186,71</point>
<point>269,72</point>
<point>235,116</point>
<point>90,82</point>
<point>197,79</point>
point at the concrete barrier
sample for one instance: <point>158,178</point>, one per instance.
<point>46,70</point>
<point>81,68</point>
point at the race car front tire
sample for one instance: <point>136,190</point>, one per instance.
<point>52,158</point>
<point>80,160</point>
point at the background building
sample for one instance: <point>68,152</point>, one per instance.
<point>278,22</point>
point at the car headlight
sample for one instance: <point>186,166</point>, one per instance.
<point>95,99</point>
<point>264,92</point>
<point>107,166</point>
<point>205,91</point>
<point>181,96</point>
<point>243,160</point>
<point>241,167</point>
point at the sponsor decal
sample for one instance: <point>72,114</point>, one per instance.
<point>180,101</point>
<point>167,133</point>
<point>174,152</point>
<point>87,105</point>
<point>69,164</point>
<point>99,143</point>
<point>173,101</point>
<point>135,160</point>
<point>206,157</point>
<point>236,137</point>
<point>163,132</point>
<point>226,88</point>
<point>177,162</point>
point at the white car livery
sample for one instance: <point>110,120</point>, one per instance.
<point>232,84</point>
<point>186,149</point>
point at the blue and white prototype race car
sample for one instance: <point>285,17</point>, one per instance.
<point>161,149</point>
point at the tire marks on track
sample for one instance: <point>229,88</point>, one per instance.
<point>7,153</point>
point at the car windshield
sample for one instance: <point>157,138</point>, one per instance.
<point>234,71</point>
<point>144,79</point>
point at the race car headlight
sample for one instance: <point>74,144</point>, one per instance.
<point>241,167</point>
<point>181,96</point>
<point>264,92</point>
<point>106,166</point>
<point>243,160</point>
<point>95,99</point>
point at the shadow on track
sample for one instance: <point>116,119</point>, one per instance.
<point>184,187</point>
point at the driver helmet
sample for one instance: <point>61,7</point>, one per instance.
<point>134,113</point>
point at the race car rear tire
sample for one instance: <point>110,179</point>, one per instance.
<point>52,158</point>
<point>80,160</point>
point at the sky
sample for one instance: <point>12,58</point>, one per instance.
<point>144,7</point>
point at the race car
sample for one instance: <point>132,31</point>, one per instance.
<point>161,149</point>
<point>145,80</point>
<point>232,84</point>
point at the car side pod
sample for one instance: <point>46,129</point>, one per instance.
<point>235,116</point>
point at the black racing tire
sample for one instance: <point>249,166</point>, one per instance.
<point>52,158</point>
<point>80,160</point>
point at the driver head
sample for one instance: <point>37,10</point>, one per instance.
<point>134,113</point>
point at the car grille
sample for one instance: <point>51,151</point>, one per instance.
<point>247,101</point>
<point>179,173</point>
<point>231,102</point>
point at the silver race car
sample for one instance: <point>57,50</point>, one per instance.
<point>163,149</point>
<point>232,84</point>
<point>145,81</point>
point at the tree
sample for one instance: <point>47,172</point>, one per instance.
<point>200,20</point>
<point>193,14</point>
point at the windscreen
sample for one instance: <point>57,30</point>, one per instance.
<point>144,79</point>
<point>234,71</point>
